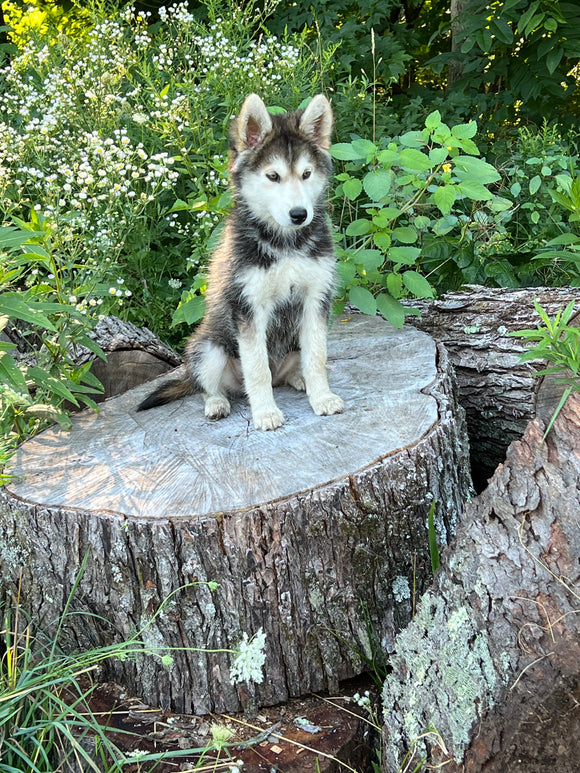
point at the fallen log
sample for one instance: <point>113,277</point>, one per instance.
<point>499,393</point>
<point>315,533</point>
<point>485,678</point>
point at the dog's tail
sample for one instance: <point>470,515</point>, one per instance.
<point>180,386</point>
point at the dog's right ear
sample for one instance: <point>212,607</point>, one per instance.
<point>251,124</point>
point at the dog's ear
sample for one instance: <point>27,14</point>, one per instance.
<point>251,125</point>
<point>316,121</point>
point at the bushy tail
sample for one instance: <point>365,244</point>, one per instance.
<point>167,392</point>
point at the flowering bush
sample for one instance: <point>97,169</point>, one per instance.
<point>118,138</point>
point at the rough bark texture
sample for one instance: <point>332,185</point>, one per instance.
<point>499,393</point>
<point>324,537</point>
<point>486,677</point>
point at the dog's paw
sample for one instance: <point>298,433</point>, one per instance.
<point>268,419</point>
<point>217,407</point>
<point>296,380</point>
<point>325,405</point>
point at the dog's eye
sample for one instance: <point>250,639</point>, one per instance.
<point>306,174</point>
<point>273,176</point>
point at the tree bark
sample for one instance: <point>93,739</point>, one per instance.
<point>486,676</point>
<point>499,393</point>
<point>315,533</point>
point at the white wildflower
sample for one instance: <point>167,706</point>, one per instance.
<point>249,661</point>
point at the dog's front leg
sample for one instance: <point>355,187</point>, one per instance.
<point>313,354</point>
<point>257,376</point>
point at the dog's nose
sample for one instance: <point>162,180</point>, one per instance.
<point>298,215</point>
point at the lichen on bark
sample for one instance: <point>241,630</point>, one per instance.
<point>458,664</point>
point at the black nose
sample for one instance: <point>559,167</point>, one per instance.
<point>298,215</point>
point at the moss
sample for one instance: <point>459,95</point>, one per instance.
<point>443,676</point>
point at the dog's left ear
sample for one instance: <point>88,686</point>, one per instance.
<point>316,121</point>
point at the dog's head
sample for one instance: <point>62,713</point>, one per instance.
<point>280,164</point>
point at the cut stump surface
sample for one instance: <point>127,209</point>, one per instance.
<point>315,533</point>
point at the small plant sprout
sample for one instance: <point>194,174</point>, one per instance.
<point>558,343</point>
<point>249,661</point>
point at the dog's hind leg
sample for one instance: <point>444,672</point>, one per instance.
<point>289,371</point>
<point>210,364</point>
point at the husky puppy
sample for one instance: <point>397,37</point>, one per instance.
<point>271,279</point>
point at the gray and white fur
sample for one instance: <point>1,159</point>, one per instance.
<point>271,279</point>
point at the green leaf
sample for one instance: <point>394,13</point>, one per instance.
<point>391,309</point>
<point>444,197</point>
<point>370,260</point>
<point>92,346</point>
<point>394,284</point>
<point>474,191</point>
<point>14,305</point>
<point>382,240</point>
<point>346,270</point>
<point>415,160</point>
<point>388,157</point>
<point>475,170</point>
<point>10,373</point>
<point>433,547</point>
<point>11,238</point>
<point>527,15</point>
<point>502,30</point>
<point>413,139</point>
<point>352,188</point>
<point>359,227</point>
<point>433,120</point>
<point>565,238</point>
<point>535,183</point>
<point>179,206</point>
<point>190,312</point>
<point>363,299</point>
<point>553,59</point>
<point>54,385</point>
<point>406,234</point>
<point>515,190</point>
<point>344,151</point>
<point>377,184</point>
<point>464,131</point>
<point>406,256</point>
<point>417,284</point>
<point>438,155</point>
<point>469,146</point>
<point>366,148</point>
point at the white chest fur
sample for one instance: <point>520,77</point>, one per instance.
<point>265,288</point>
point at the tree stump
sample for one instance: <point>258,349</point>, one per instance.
<point>486,677</point>
<point>499,392</point>
<point>134,356</point>
<point>315,533</point>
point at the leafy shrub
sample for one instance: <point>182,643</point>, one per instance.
<point>542,233</point>
<point>35,388</point>
<point>420,201</point>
